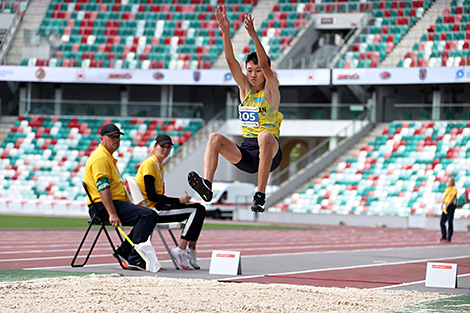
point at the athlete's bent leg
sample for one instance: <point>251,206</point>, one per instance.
<point>219,144</point>
<point>268,147</point>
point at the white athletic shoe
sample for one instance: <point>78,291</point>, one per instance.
<point>192,258</point>
<point>181,258</point>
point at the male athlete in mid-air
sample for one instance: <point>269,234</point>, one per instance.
<point>259,117</point>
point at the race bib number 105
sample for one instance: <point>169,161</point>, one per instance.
<point>248,116</point>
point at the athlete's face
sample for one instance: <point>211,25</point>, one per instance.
<point>162,151</point>
<point>254,73</point>
<point>450,182</point>
<point>111,142</point>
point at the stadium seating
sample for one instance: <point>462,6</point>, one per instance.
<point>43,157</point>
<point>289,17</point>
<point>391,20</point>
<point>402,172</point>
<point>12,6</point>
<point>278,31</point>
<point>138,34</point>
<point>184,34</point>
<point>446,43</point>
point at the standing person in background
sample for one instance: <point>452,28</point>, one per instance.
<point>260,119</point>
<point>104,182</point>
<point>150,179</point>
<point>448,209</point>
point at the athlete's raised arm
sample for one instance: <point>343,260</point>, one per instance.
<point>235,69</point>
<point>271,88</point>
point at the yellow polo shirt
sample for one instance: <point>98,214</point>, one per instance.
<point>151,167</point>
<point>102,164</point>
<point>448,193</point>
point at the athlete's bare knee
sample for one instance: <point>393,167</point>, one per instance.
<point>215,140</point>
<point>265,139</point>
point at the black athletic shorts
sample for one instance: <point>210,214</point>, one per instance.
<point>250,156</point>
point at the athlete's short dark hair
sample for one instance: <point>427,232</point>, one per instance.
<point>254,57</point>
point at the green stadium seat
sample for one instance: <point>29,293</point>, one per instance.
<point>390,175</point>
<point>54,162</point>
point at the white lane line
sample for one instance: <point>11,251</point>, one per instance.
<point>68,266</point>
<point>91,265</point>
<point>67,257</point>
<point>352,267</point>
<point>359,247</point>
<point>415,283</point>
<point>306,244</point>
<point>164,253</point>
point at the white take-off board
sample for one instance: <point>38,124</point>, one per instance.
<point>443,275</point>
<point>225,263</point>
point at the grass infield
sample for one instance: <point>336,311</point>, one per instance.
<point>54,222</point>
<point>458,304</point>
<point>23,275</point>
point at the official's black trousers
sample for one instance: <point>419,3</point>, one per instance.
<point>194,213</point>
<point>449,217</point>
<point>143,220</point>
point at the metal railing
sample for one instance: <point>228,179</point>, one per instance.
<point>312,111</point>
<point>10,34</point>
<point>111,108</point>
<point>350,39</point>
<point>426,111</point>
<point>195,140</point>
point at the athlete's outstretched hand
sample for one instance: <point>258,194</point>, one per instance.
<point>249,26</point>
<point>222,20</point>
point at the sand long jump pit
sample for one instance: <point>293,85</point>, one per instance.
<point>115,293</point>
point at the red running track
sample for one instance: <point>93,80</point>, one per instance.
<point>359,277</point>
<point>21,249</point>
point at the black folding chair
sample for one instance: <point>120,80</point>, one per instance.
<point>96,220</point>
<point>170,227</point>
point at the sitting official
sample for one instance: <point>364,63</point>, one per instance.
<point>109,193</point>
<point>150,181</point>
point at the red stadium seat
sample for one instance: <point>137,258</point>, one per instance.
<point>422,63</point>
<point>66,63</point>
<point>207,65</point>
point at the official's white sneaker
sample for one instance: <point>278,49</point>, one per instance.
<point>181,258</point>
<point>192,258</point>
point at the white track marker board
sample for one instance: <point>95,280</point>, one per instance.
<point>225,263</point>
<point>443,275</point>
